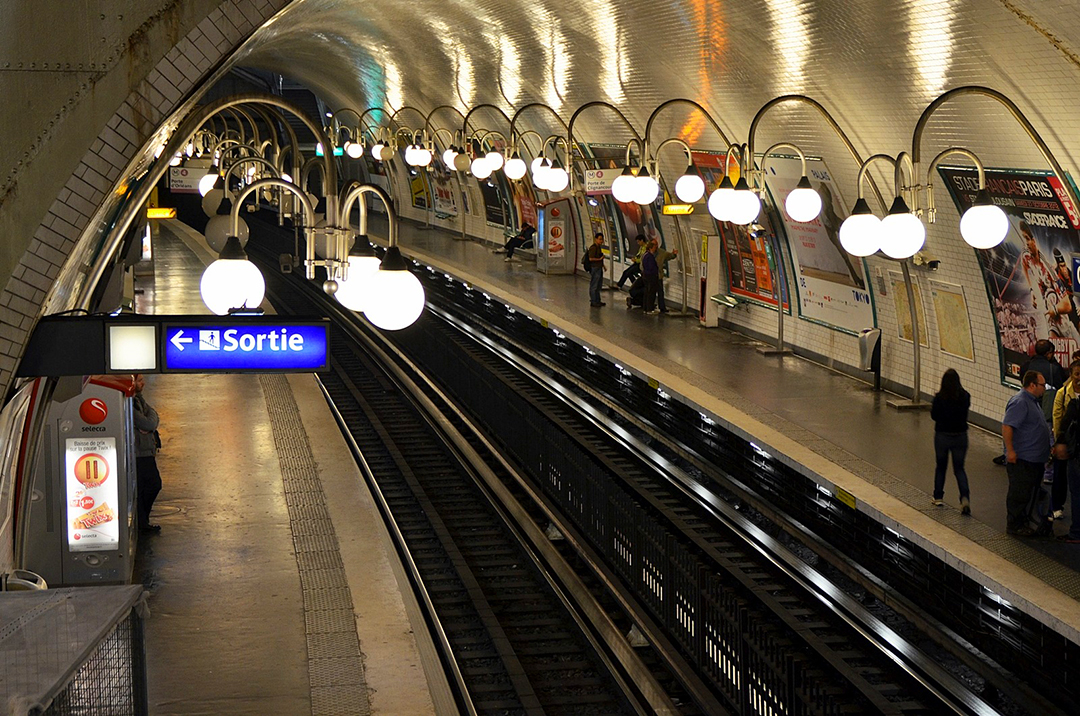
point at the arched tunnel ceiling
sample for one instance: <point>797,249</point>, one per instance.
<point>875,63</point>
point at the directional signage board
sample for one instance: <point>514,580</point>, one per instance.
<point>230,347</point>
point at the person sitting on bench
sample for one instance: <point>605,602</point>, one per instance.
<point>525,236</point>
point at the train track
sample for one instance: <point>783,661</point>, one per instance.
<point>842,657</point>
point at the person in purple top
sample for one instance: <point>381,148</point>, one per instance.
<point>650,275</point>
<point>950,413</point>
<point>1027,448</point>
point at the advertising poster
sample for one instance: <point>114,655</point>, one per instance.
<point>494,211</point>
<point>524,202</point>
<point>954,326</point>
<point>1028,276</point>
<point>903,313</point>
<point>440,180</point>
<point>92,494</point>
<point>832,284</point>
<point>633,219</point>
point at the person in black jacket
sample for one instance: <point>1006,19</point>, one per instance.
<point>1067,447</point>
<point>950,414</point>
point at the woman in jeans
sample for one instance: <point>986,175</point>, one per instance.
<point>950,414</point>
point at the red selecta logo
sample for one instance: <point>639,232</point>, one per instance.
<point>93,411</point>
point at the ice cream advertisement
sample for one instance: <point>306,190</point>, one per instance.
<point>92,494</point>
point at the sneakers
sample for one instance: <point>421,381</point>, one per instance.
<point>597,305</point>
<point>936,502</point>
<point>629,302</point>
<point>510,259</point>
<point>1068,539</point>
<point>1058,514</point>
<point>652,312</point>
<point>999,460</point>
<point>965,506</point>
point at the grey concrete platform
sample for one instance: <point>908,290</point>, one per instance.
<point>274,589</point>
<point>836,427</point>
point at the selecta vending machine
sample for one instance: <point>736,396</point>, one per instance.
<point>556,237</point>
<point>80,521</point>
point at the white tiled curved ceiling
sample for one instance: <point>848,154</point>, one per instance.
<point>874,63</point>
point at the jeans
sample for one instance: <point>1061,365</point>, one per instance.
<point>957,444</point>
<point>596,280</point>
<point>660,302</point>
<point>1025,479</point>
<point>632,271</point>
<point>1061,485</point>
<point>514,244</point>
<point>652,285</point>
<point>1074,497</point>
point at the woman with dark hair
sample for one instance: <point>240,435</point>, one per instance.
<point>950,413</point>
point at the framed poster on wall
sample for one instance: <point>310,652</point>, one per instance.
<point>954,326</point>
<point>832,285</point>
<point>633,219</point>
<point>903,313</point>
<point>1029,276</point>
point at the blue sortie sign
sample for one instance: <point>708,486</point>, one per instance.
<point>241,348</point>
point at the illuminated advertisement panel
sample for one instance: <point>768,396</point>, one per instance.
<point>92,494</point>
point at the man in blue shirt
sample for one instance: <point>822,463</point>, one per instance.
<point>1027,448</point>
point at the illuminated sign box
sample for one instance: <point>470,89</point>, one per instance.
<point>225,347</point>
<point>678,209</point>
<point>160,212</point>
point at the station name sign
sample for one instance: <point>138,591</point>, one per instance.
<point>129,343</point>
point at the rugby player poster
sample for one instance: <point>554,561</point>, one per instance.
<point>92,494</point>
<point>1028,276</point>
<point>832,284</point>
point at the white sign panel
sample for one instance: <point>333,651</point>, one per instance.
<point>185,181</point>
<point>833,285</point>
<point>556,239</point>
<point>599,181</point>
<point>92,486</point>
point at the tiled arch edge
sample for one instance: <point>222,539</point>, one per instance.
<point>164,89</point>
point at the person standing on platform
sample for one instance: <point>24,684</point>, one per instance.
<point>662,258</point>
<point>1027,448</point>
<point>1065,396</point>
<point>596,270</point>
<point>950,414</point>
<point>147,442</point>
<point>1067,447</point>
<point>634,269</point>
<point>650,276</point>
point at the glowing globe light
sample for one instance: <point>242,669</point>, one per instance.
<point>860,234</point>
<point>423,157</point>
<point>537,163</point>
<point>355,150</point>
<point>376,150</point>
<point>448,157</point>
<point>286,177</point>
<point>480,168</point>
<point>984,225</point>
<point>623,188</point>
<point>494,160</point>
<point>352,289</point>
<point>207,183</point>
<point>902,233</point>
<point>646,189</point>
<point>720,200</point>
<point>461,162</point>
<point>557,179</point>
<point>211,201</point>
<point>541,176</point>
<point>175,161</point>
<point>745,204</point>
<point>803,203</point>
<point>690,187</point>
<point>410,155</point>
<point>515,167</point>
<point>393,297</point>
<point>232,281</point>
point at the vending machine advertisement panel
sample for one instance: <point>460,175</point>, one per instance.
<point>92,494</point>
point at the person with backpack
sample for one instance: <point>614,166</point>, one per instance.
<point>950,414</point>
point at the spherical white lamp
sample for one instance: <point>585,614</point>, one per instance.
<point>423,157</point>
<point>410,157</point>
<point>860,234</point>
<point>515,167</point>
<point>207,183</point>
<point>376,151</point>
<point>720,200</point>
<point>232,281</point>
<point>461,162</point>
<point>355,150</point>
<point>211,201</point>
<point>902,233</point>
<point>494,160</point>
<point>217,232</point>
<point>537,163</point>
<point>175,161</point>
<point>557,178</point>
<point>480,168</point>
<point>394,298</point>
<point>541,176</point>
<point>984,225</point>
<point>803,203</point>
<point>448,157</point>
<point>386,153</point>
<point>646,189</point>
<point>745,204</point>
<point>623,188</point>
<point>690,187</point>
<point>363,263</point>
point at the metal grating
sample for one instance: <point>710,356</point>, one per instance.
<point>335,664</point>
